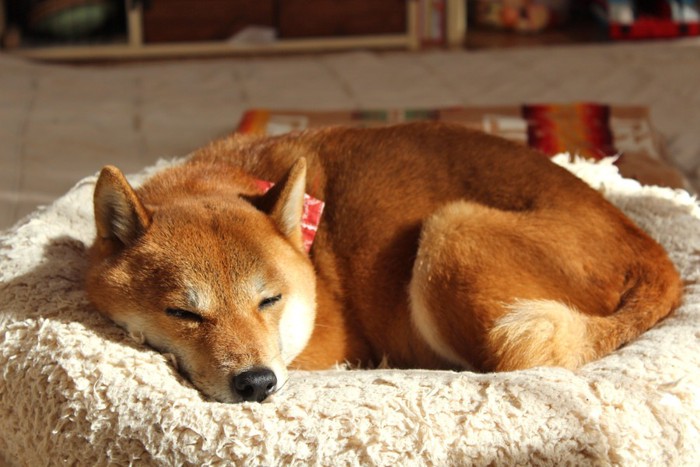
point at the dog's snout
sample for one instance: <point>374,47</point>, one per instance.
<point>254,384</point>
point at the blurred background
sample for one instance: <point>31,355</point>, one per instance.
<point>84,83</point>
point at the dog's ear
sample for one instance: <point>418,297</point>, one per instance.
<point>119,214</point>
<point>284,202</point>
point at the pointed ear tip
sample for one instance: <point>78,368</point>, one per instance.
<point>298,170</point>
<point>108,175</point>
<point>110,181</point>
<point>110,171</point>
<point>300,164</point>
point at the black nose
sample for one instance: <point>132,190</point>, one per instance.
<point>255,384</point>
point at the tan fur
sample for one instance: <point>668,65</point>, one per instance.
<point>439,247</point>
<point>540,332</point>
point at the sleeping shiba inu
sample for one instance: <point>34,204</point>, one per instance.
<point>439,247</point>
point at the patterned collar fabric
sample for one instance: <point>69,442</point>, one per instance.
<point>311,217</point>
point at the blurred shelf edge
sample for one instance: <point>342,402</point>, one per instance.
<point>195,49</point>
<point>453,32</point>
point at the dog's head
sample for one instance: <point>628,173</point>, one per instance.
<point>223,286</point>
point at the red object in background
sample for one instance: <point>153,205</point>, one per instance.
<point>648,28</point>
<point>582,129</point>
<point>647,19</point>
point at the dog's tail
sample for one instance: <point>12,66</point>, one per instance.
<point>550,333</point>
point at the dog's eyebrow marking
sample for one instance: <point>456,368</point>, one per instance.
<point>198,299</point>
<point>258,283</point>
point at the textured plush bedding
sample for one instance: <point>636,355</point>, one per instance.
<point>75,389</point>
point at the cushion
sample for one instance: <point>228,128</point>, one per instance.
<point>75,388</point>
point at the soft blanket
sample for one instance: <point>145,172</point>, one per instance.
<point>75,389</point>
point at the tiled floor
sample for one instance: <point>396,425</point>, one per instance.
<point>60,123</point>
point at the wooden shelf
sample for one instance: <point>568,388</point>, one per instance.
<point>136,48</point>
<point>193,49</point>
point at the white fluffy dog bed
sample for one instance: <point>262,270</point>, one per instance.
<point>76,389</point>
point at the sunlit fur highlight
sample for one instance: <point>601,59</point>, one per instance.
<point>439,247</point>
<point>540,333</point>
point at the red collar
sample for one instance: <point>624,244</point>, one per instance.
<point>313,208</point>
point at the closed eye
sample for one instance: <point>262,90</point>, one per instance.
<point>269,301</point>
<point>185,315</point>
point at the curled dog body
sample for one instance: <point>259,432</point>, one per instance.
<point>439,247</point>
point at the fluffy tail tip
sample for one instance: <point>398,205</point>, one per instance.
<point>540,333</point>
